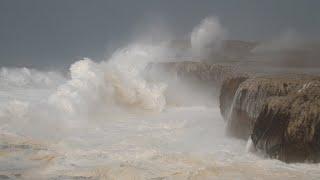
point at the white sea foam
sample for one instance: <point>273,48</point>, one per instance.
<point>109,120</point>
<point>117,81</point>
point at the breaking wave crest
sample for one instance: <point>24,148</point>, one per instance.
<point>95,90</point>
<point>116,82</point>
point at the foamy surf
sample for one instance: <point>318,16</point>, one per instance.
<point>179,143</point>
<point>112,120</point>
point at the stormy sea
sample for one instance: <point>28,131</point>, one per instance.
<point>140,113</point>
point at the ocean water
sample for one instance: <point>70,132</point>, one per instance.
<point>109,120</point>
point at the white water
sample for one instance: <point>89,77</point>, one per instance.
<point>207,37</point>
<point>112,120</point>
<point>108,121</point>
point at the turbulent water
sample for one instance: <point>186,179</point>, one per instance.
<point>113,120</point>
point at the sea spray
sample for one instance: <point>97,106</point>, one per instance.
<point>181,142</point>
<point>39,104</point>
<point>25,77</point>
<point>115,82</point>
<point>207,37</point>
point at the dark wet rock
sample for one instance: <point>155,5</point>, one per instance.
<point>228,90</point>
<point>250,97</point>
<point>288,127</point>
<point>281,114</point>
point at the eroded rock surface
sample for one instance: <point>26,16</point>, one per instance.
<point>281,113</point>
<point>288,127</point>
<point>202,71</point>
<point>228,91</point>
<point>251,95</point>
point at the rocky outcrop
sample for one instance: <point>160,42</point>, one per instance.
<point>199,71</point>
<point>280,113</point>
<point>288,127</point>
<point>228,91</point>
<point>251,95</point>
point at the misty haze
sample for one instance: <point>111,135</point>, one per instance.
<point>159,90</point>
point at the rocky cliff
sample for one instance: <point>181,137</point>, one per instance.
<point>280,113</point>
<point>228,91</point>
<point>288,127</point>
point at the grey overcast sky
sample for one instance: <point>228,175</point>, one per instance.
<point>50,33</point>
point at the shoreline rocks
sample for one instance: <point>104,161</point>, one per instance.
<point>280,113</point>
<point>228,91</point>
<point>201,71</point>
<point>288,128</point>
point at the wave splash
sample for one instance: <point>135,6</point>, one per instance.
<point>181,142</point>
<point>95,91</point>
<point>116,82</point>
